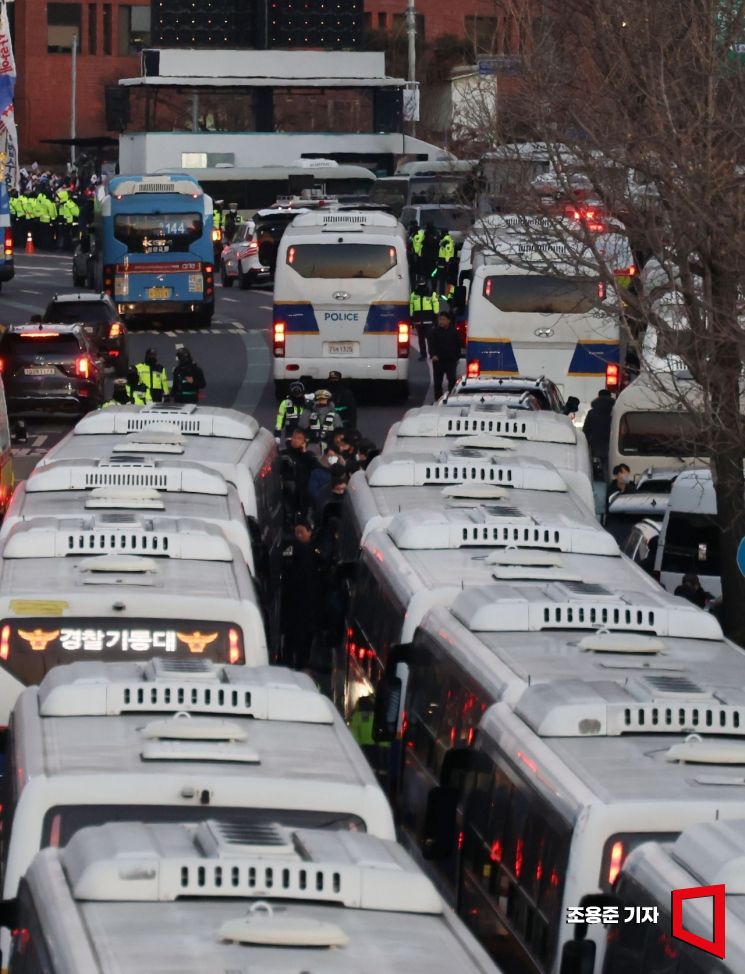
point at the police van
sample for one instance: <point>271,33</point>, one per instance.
<point>708,855</point>
<point>456,478</point>
<point>524,805</point>
<point>689,540</point>
<point>117,587</point>
<point>185,490</point>
<point>229,897</point>
<point>225,440</point>
<point>341,300</point>
<point>543,434</point>
<point>179,741</point>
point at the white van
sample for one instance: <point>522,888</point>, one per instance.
<point>689,538</point>
<point>341,300</point>
<point>178,741</point>
<point>539,433</point>
<point>231,898</point>
<point>122,588</point>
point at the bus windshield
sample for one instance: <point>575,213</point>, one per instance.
<point>661,434</point>
<point>157,233</point>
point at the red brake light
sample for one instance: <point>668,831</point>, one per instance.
<point>487,287</point>
<point>2,365</point>
<point>278,343</point>
<point>8,243</point>
<point>403,339</point>
<point>115,330</point>
<point>5,642</point>
<point>473,369</point>
<point>616,861</point>
<point>612,377</point>
<point>630,271</point>
<point>40,334</point>
<point>234,647</point>
<point>290,255</point>
<point>83,367</point>
<point>217,235</point>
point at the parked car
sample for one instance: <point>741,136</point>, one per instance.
<point>473,389</point>
<point>101,322</point>
<point>240,260</point>
<point>50,369</point>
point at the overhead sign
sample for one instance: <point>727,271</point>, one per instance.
<point>502,64</point>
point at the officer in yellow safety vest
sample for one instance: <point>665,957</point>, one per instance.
<point>445,257</point>
<point>139,394</point>
<point>153,376</point>
<point>120,395</point>
<point>423,309</point>
<point>361,725</point>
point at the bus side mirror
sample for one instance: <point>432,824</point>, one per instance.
<point>387,708</point>
<point>578,957</point>
<point>438,836</point>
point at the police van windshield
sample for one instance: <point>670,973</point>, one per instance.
<point>157,233</point>
<point>342,261</point>
<point>540,294</point>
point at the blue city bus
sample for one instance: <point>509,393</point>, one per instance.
<point>152,242</point>
<point>6,237</point>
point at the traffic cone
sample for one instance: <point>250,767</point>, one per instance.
<point>30,249</point>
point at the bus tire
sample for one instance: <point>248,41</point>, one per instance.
<point>203,319</point>
<point>224,279</point>
<point>244,281</point>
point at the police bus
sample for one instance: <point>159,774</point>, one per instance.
<point>185,490</point>
<point>152,247</point>
<point>541,307</point>
<point>234,898</point>
<point>121,587</point>
<point>224,440</point>
<point>179,741</point>
<point>546,435</point>
<point>707,855</point>
<point>533,765</point>
<point>341,300</point>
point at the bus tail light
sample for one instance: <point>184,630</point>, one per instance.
<point>278,342</point>
<point>616,861</point>
<point>613,377</point>
<point>83,367</point>
<point>403,339</point>
<point>209,280</point>
<point>2,366</point>
<point>108,279</point>
<point>217,235</point>
<point>8,244</point>
<point>235,654</point>
<point>473,369</point>
<point>5,642</point>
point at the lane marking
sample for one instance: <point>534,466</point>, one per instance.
<point>265,307</point>
<point>258,360</point>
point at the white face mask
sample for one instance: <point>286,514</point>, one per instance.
<point>333,460</point>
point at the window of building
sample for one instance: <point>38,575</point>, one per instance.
<point>399,25</point>
<point>483,34</point>
<point>63,27</point>
<point>134,29</point>
<point>92,28</point>
<point>382,21</point>
<point>107,29</point>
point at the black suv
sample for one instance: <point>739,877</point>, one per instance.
<point>50,369</point>
<point>101,322</point>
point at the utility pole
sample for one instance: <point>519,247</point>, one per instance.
<point>74,105</point>
<point>411,36</point>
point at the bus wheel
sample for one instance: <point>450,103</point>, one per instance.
<point>203,319</point>
<point>224,279</point>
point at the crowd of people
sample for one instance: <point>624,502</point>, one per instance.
<point>148,381</point>
<point>320,448</point>
<point>50,207</point>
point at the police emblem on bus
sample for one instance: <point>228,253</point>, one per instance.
<point>37,639</point>
<point>543,332</point>
<point>341,295</point>
<point>197,641</point>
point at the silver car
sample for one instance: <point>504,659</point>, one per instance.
<point>240,259</point>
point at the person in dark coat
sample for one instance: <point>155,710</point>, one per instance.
<point>444,351</point>
<point>302,593</point>
<point>188,378</point>
<point>344,401</point>
<point>597,430</point>
<point>691,588</point>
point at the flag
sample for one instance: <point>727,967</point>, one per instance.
<point>8,132</point>
<point>7,62</point>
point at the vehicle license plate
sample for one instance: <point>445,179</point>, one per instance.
<point>159,293</point>
<point>341,348</point>
<point>39,371</point>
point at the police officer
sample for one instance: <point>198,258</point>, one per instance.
<point>231,219</point>
<point>188,378</point>
<point>289,412</point>
<point>137,391</point>
<point>322,419</point>
<point>445,256</point>
<point>120,395</point>
<point>423,308</point>
<point>18,212</point>
<point>217,230</point>
<point>417,242</point>
<point>153,376</point>
<point>69,212</point>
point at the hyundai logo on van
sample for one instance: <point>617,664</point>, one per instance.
<point>543,332</point>
<point>341,295</point>
<point>341,316</point>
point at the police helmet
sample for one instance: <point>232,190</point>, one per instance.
<point>322,394</point>
<point>151,355</point>
<point>297,389</point>
<point>183,354</point>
